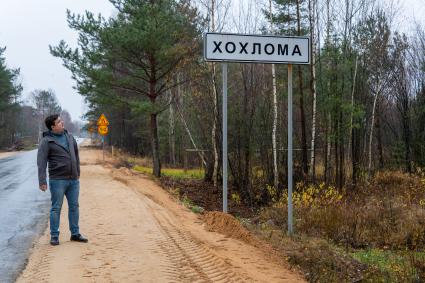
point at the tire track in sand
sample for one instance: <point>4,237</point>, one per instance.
<point>190,260</point>
<point>137,233</point>
<point>40,270</point>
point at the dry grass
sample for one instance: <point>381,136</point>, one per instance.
<point>386,216</point>
<point>389,213</point>
<point>174,172</point>
<point>317,258</point>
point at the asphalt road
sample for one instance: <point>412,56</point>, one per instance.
<point>23,212</point>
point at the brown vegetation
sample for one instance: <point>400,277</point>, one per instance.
<point>331,225</point>
<point>388,213</point>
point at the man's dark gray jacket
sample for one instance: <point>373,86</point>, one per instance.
<point>63,163</point>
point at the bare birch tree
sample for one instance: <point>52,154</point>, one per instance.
<point>217,21</point>
<point>274,94</point>
<point>312,19</point>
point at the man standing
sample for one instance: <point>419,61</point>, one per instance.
<point>59,149</point>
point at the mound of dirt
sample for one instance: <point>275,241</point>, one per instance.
<point>227,225</point>
<point>122,175</point>
<point>125,171</point>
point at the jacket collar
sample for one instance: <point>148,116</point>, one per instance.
<point>50,134</point>
<point>50,137</point>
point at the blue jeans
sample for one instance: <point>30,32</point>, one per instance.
<point>59,189</point>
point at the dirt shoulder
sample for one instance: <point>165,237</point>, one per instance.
<point>8,154</point>
<point>137,232</point>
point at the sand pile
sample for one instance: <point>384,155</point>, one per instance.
<point>122,174</point>
<point>226,224</point>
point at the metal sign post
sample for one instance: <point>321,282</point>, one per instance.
<point>244,48</point>
<point>225,161</point>
<point>102,128</point>
<point>103,149</point>
<point>290,213</point>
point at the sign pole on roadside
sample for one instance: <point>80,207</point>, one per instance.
<point>290,156</point>
<point>102,129</point>
<point>103,148</point>
<point>245,48</point>
<point>225,160</point>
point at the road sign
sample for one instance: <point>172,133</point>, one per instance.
<point>102,121</point>
<point>228,47</point>
<point>242,48</point>
<point>103,130</point>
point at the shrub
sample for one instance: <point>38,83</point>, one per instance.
<point>386,214</point>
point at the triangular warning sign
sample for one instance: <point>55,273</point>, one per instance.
<point>102,121</point>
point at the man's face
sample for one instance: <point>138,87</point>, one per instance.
<point>58,126</point>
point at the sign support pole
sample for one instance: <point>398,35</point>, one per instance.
<point>245,48</point>
<point>225,137</point>
<point>103,149</point>
<point>102,129</point>
<point>290,181</point>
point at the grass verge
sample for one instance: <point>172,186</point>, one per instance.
<point>173,172</point>
<point>394,266</point>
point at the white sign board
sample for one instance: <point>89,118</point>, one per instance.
<point>256,48</point>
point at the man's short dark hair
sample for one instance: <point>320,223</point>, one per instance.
<point>50,121</point>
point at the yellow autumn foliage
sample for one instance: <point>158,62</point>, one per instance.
<point>308,196</point>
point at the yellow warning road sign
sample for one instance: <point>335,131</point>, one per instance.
<point>102,121</point>
<point>103,130</point>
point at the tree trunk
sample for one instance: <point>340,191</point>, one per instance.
<point>406,126</point>
<point>302,114</point>
<point>355,155</point>
<point>249,114</point>
<point>336,144</point>
<point>199,152</point>
<point>329,121</point>
<point>215,130</point>
<point>312,8</point>
<point>215,109</point>
<point>341,180</point>
<point>275,169</point>
<point>352,110</point>
<point>372,125</point>
<point>406,133</point>
<point>379,138</point>
<point>328,162</point>
<point>171,133</point>
<point>155,146</point>
<point>274,144</point>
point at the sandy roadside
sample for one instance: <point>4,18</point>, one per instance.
<point>138,233</point>
<point>8,154</point>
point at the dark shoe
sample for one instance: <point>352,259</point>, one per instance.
<point>79,238</point>
<point>54,241</point>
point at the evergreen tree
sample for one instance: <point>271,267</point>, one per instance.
<point>133,54</point>
<point>10,92</point>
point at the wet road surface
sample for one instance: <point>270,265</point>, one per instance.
<point>23,212</point>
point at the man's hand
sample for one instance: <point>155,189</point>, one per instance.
<point>43,187</point>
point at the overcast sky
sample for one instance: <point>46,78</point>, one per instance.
<point>27,27</point>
